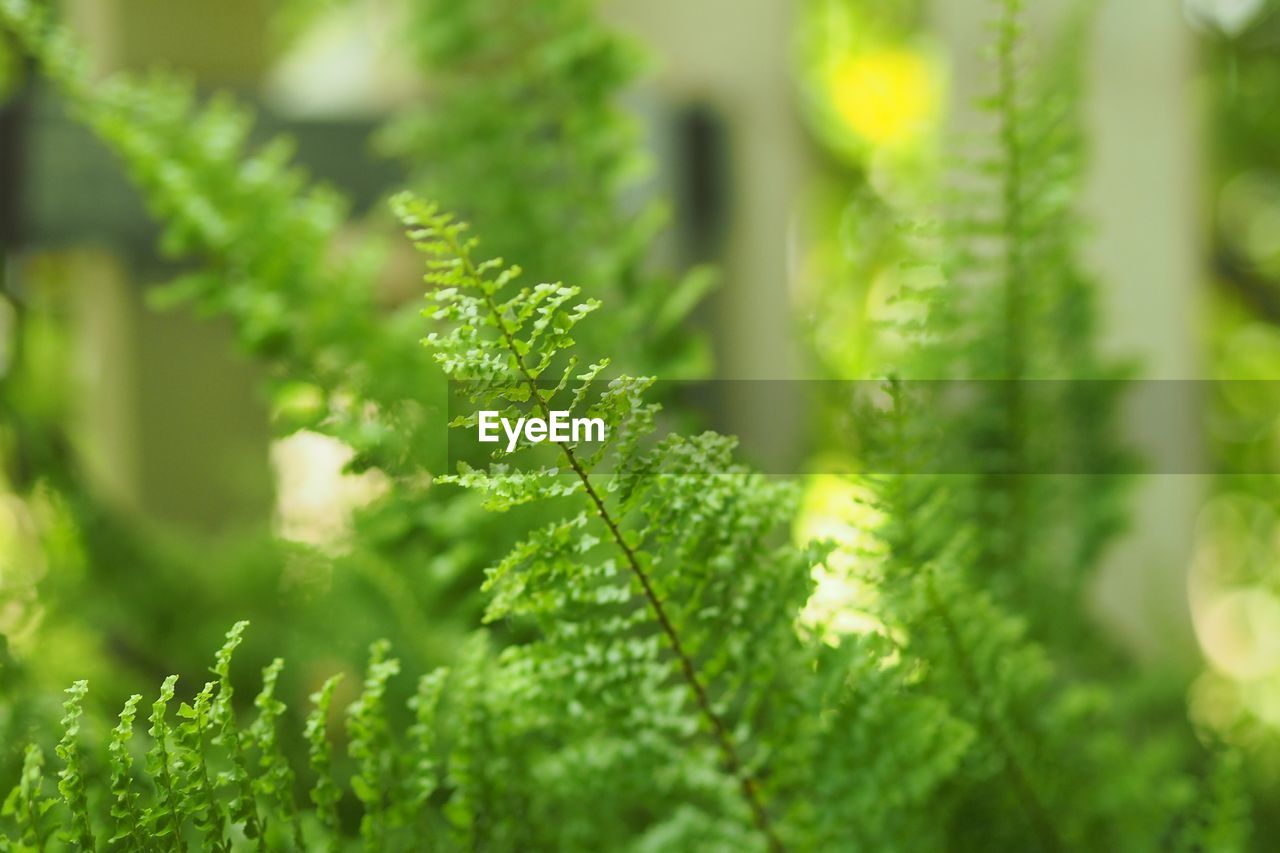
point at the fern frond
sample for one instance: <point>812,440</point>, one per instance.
<point>274,779</point>
<point>124,806</point>
<point>71,778</point>
<point>165,817</point>
<point>194,751</point>
<point>243,806</point>
<point>513,350</point>
<point>523,133</point>
<point>26,802</point>
<point>1221,819</point>
<point>200,795</point>
<point>325,793</point>
<point>370,746</point>
<point>422,763</point>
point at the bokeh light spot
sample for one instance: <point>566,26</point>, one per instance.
<point>886,96</point>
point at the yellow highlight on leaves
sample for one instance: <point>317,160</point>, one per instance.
<point>887,96</point>
<point>832,511</point>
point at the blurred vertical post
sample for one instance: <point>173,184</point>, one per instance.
<point>1141,201</point>
<point>722,60</point>
<point>171,424</point>
<point>1144,196</point>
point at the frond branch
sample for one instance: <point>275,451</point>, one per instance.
<point>728,750</point>
<point>1037,812</point>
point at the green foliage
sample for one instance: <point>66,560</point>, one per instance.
<point>980,576</point>
<point>191,799</point>
<point>421,760</point>
<point>193,749</point>
<point>371,746</point>
<point>644,682</point>
<point>324,792</point>
<point>274,782</point>
<point>26,805</point>
<point>285,259</point>
<point>636,638</point>
<point>261,244</point>
<point>164,818</point>
<point>1222,820</point>
<point>531,90</point>
<point>243,806</point>
<point>618,623</point>
<point>124,806</point>
<point>1242,82</point>
<point>267,238</point>
<point>71,778</point>
<point>994,302</point>
<point>665,666</point>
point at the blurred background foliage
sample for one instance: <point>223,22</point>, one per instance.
<point>124,554</point>
<point>123,575</point>
<point>1234,583</point>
